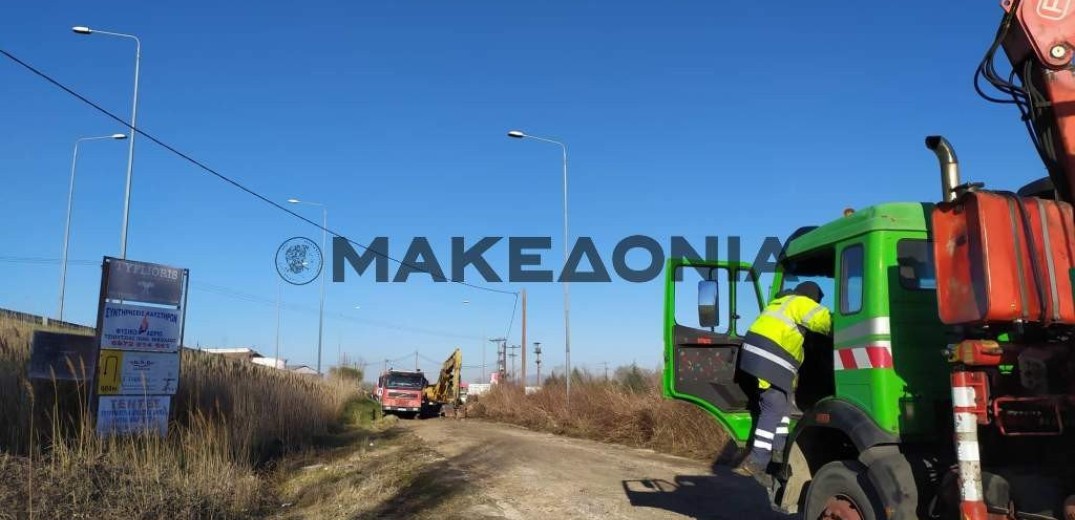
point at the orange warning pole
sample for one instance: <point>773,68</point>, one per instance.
<point>966,405</point>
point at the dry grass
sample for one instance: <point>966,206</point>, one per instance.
<point>231,420</point>
<point>633,414</point>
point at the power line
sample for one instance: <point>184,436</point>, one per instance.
<point>231,181</point>
<point>249,191</point>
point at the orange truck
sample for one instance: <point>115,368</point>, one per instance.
<point>400,392</point>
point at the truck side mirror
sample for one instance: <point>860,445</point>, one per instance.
<point>708,304</point>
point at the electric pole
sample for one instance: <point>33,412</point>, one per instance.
<point>537,360</point>
<point>500,361</point>
<point>524,339</point>
<point>512,356</point>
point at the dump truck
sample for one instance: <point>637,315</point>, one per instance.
<point>401,392</point>
<point>947,388</point>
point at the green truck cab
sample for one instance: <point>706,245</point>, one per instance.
<point>867,396</point>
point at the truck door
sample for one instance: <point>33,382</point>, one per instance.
<point>702,338</point>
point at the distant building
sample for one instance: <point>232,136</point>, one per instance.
<point>243,353</point>
<point>249,354</point>
<point>302,369</point>
<point>278,363</point>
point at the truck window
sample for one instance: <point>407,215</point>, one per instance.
<point>851,279</point>
<point>819,268</point>
<point>406,381</point>
<point>915,258</point>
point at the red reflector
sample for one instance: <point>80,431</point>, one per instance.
<point>705,341</point>
<point>823,418</point>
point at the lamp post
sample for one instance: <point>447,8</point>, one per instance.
<point>324,237</point>
<point>67,224</point>
<point>279,296</point>
<point>134,113</point>
<point>567,322</point>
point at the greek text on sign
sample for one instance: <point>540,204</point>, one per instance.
<point>138,327</point>
<point>130,414</point>
<point>144,282</point>
<point>137,373</point>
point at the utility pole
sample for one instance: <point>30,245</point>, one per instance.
<point>512,356</point>
<point>524,339</point>
<point>415,360</point>
<point>606,370</point>
<point>501,361</point>
<point>537,360</point>
<point>500,357</point>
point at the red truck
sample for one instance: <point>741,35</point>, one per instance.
<point>400,392</point>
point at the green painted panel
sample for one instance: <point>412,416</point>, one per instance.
<point>738,424</point>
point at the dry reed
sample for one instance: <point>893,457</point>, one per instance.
<point>230,420</point>
<point>609,411</point>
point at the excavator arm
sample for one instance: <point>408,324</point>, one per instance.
<point>1038,37</point>
<point>446,389</point>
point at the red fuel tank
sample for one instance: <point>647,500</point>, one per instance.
<point>1000,258</point>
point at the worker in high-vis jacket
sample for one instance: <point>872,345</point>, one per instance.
<point>773,352</point>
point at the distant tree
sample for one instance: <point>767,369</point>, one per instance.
<point>554,379</point>
<point>633,378</point>
<point>578,376</point>
<point>346,373</point>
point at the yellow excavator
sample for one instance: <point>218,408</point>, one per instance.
<point>446,391</point>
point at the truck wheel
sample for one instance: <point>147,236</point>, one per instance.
<point>840,490</point>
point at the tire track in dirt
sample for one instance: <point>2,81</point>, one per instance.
<point>514,473</point>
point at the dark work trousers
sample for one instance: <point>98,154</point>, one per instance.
<point>771,430</point>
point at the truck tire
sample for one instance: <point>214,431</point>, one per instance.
<point>842,490</point>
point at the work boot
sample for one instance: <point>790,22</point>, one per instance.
<point>749,468</point>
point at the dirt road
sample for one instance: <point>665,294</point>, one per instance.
<point>501,471</point>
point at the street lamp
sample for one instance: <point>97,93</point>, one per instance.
<point>134,113</point>
<point>567,322</point>
<point>67,225</point>
<point>324,237</point>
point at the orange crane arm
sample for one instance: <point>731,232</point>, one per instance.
<point>1038,37</point>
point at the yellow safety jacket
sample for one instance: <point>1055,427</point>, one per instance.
<point>773,346</point>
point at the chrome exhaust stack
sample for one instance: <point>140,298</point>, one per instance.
<point>949,166</point>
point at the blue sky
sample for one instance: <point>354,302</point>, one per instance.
<point>695,120</point>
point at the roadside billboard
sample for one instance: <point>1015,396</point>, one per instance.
<point>140,321</point>
<point>63,356</point>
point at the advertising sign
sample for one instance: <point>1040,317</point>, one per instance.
<point>140,320</point>
<point>67,357</point>
<point>139,327</point>
<point>137,373</point>
<point>144,282</point>
<point>133,414</point>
